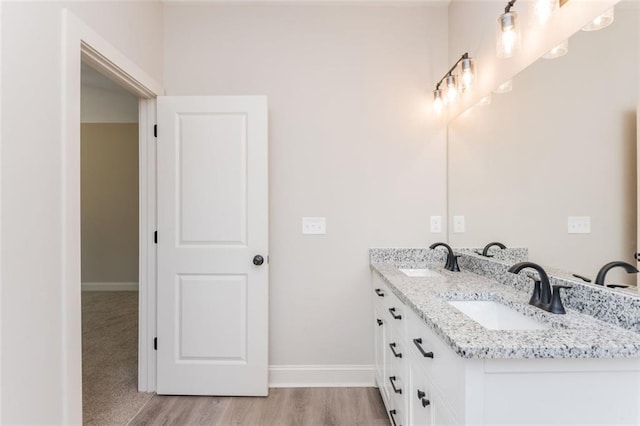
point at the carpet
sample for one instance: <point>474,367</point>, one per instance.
<point>110,358</point>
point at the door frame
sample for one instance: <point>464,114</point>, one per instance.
<point>82,43</point>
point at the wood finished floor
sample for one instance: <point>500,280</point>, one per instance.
<point>110,397</point>
<point>283,407</point>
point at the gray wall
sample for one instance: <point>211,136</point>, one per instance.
<point>109,167</point>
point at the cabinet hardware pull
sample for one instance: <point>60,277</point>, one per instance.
<point>421,398</point>
<point>392,311</point>
<point>392,346</point>
<point>379,321</point>
<point>418,343</point>
<point>392,413</point>
<point>392,379</point>
<point>379,292</point>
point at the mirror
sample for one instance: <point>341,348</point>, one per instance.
<point>562,143</point>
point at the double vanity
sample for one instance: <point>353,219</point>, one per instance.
<point>467,348</point>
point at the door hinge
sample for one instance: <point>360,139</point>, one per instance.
<point>155,237</point>
<point>155,130</point>
<point>155,343</point>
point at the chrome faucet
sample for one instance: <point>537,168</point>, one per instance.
<point>602,273</point>
<point>452,260</point>
<point>542,296</point>
<point>485,250</point>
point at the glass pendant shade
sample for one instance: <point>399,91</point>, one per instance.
<point>505,87</point>
<point>541,11</point>
<point>508,35</point>
<point>438,102</point>
<point>467,74</point>
<point>452,88</point>
<point>557,51</point>
<point>601,21</point>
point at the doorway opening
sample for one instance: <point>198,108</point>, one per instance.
<point>82,44</point>
<point>109,182</point>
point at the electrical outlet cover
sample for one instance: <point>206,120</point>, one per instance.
<point>436,224</point>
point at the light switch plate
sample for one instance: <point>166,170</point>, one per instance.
<point>458,224</point>
<point>436,224</point>
<point>314,225</point>
<point>579,224</point>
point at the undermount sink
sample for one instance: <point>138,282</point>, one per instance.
<point>496,316</point>
<point>420,273</point>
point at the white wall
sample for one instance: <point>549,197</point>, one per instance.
<point>562,143</point>
<point>350,139</point>
<point>31,311</point>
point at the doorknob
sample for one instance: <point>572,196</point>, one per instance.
<point>258,260</point>
<point>637,256</point>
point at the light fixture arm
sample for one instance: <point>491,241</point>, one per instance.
<point>507,9</point>
<point>464,56</point>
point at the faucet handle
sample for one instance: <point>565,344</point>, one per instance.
<point>562,286</point>
<point>556,307</point>
<point>454,264</point>
<point>536,295</point>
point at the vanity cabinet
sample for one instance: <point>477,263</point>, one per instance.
<point>424,382</point>
<point>390,353</point>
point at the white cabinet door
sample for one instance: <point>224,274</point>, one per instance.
<point>212,223</point>
<point>441,416</point>
<point>420,406</point>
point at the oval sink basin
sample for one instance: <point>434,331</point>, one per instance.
<point>420,273</point>
<point>496,316</point>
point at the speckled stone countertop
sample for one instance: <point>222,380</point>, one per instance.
<point>573,335</point>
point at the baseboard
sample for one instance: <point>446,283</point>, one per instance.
<point>109,287</point>
<point>315,376</point>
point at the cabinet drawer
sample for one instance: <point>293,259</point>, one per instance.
<point>398,388</point>
<point>396,314</point>
<point>381,292</point>
<point>397,416</point>
<point>445,370</point>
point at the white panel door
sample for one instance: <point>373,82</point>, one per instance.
<point>212,231</point>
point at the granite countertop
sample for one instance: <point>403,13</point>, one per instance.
<point>573,335</point>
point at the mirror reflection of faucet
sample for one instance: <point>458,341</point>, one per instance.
<point>485,250</point>
<point>602,273</point>
<point>452,259</point>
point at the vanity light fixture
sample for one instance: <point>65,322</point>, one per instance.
<point>467,73</point>
<point>452,85</point>
<point>601,21</point>
<point>505,87</point>
<point>438,102</point>
<point>557,51</point>
<point>452,88</point>
<point>541,11</point>
<point>508,35</point>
